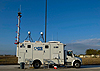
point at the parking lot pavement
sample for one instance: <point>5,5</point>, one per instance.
<point>17,68</point>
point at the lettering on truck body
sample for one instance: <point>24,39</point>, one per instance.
<point>38,48</point>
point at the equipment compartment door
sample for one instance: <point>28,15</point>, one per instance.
<point>46,52</point>
<point>28,51</point>
<point>21,57</point>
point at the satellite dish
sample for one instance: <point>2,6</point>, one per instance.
<point>41,33</point>
<point>29,32</point>
<point>29,36</point>
<point>41,36</point>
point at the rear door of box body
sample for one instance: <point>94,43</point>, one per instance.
<point>57,53</point>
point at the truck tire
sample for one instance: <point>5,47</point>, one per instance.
<point>36,64</point>
<point>77,64</point>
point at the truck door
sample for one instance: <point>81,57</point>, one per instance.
<point>69,57</point>
<point>65,56</point>
<point>46,52</point>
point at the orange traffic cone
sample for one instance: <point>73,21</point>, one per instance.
<point>55,67</point>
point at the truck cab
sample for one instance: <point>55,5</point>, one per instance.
<point>71,60</point>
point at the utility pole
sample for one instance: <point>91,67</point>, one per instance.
<point>45,20</point>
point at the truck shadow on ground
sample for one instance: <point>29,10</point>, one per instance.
<point>83,66</point>
<point>64,67</point>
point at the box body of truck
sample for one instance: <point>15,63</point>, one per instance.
<point>52,51</point>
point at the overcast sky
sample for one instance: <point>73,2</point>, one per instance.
<point>73,22</point>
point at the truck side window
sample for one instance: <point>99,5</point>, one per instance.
<point>28,46</point>
<point>46,46</point>
<point>55,46</point>
<point>69,53</point>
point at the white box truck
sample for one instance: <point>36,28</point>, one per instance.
<point>53,52</point>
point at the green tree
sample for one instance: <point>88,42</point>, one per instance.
<point>99,52</point>
<point>88,52</point>
<point>91,51</point>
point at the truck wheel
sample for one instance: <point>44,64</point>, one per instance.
<point>36,64</point>
<point>77,64</point>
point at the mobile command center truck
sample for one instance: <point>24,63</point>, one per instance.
<point>52,52</point>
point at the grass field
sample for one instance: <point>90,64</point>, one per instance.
<point>90,61</point>
<point>14,60</point>
<point>8,60</point>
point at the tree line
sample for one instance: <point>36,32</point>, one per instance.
<point>92,52</point>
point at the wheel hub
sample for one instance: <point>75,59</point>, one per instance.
<point>76,64</point>
<point>36,64</point>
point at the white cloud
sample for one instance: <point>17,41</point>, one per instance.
<point>79,47</point>
<point>90,41</point>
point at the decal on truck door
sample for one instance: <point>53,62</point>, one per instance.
<point>38,48</point>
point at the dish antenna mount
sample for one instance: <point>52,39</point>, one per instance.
<point>41,36</point>
<point>29,36</point>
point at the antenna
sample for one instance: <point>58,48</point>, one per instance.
<point>41,36</point>
<point>20,8</point>
<point>29,36</point>
<point>45,20</point>
<point>52,37</point>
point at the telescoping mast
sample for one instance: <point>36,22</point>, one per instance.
<point>18,30</point>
